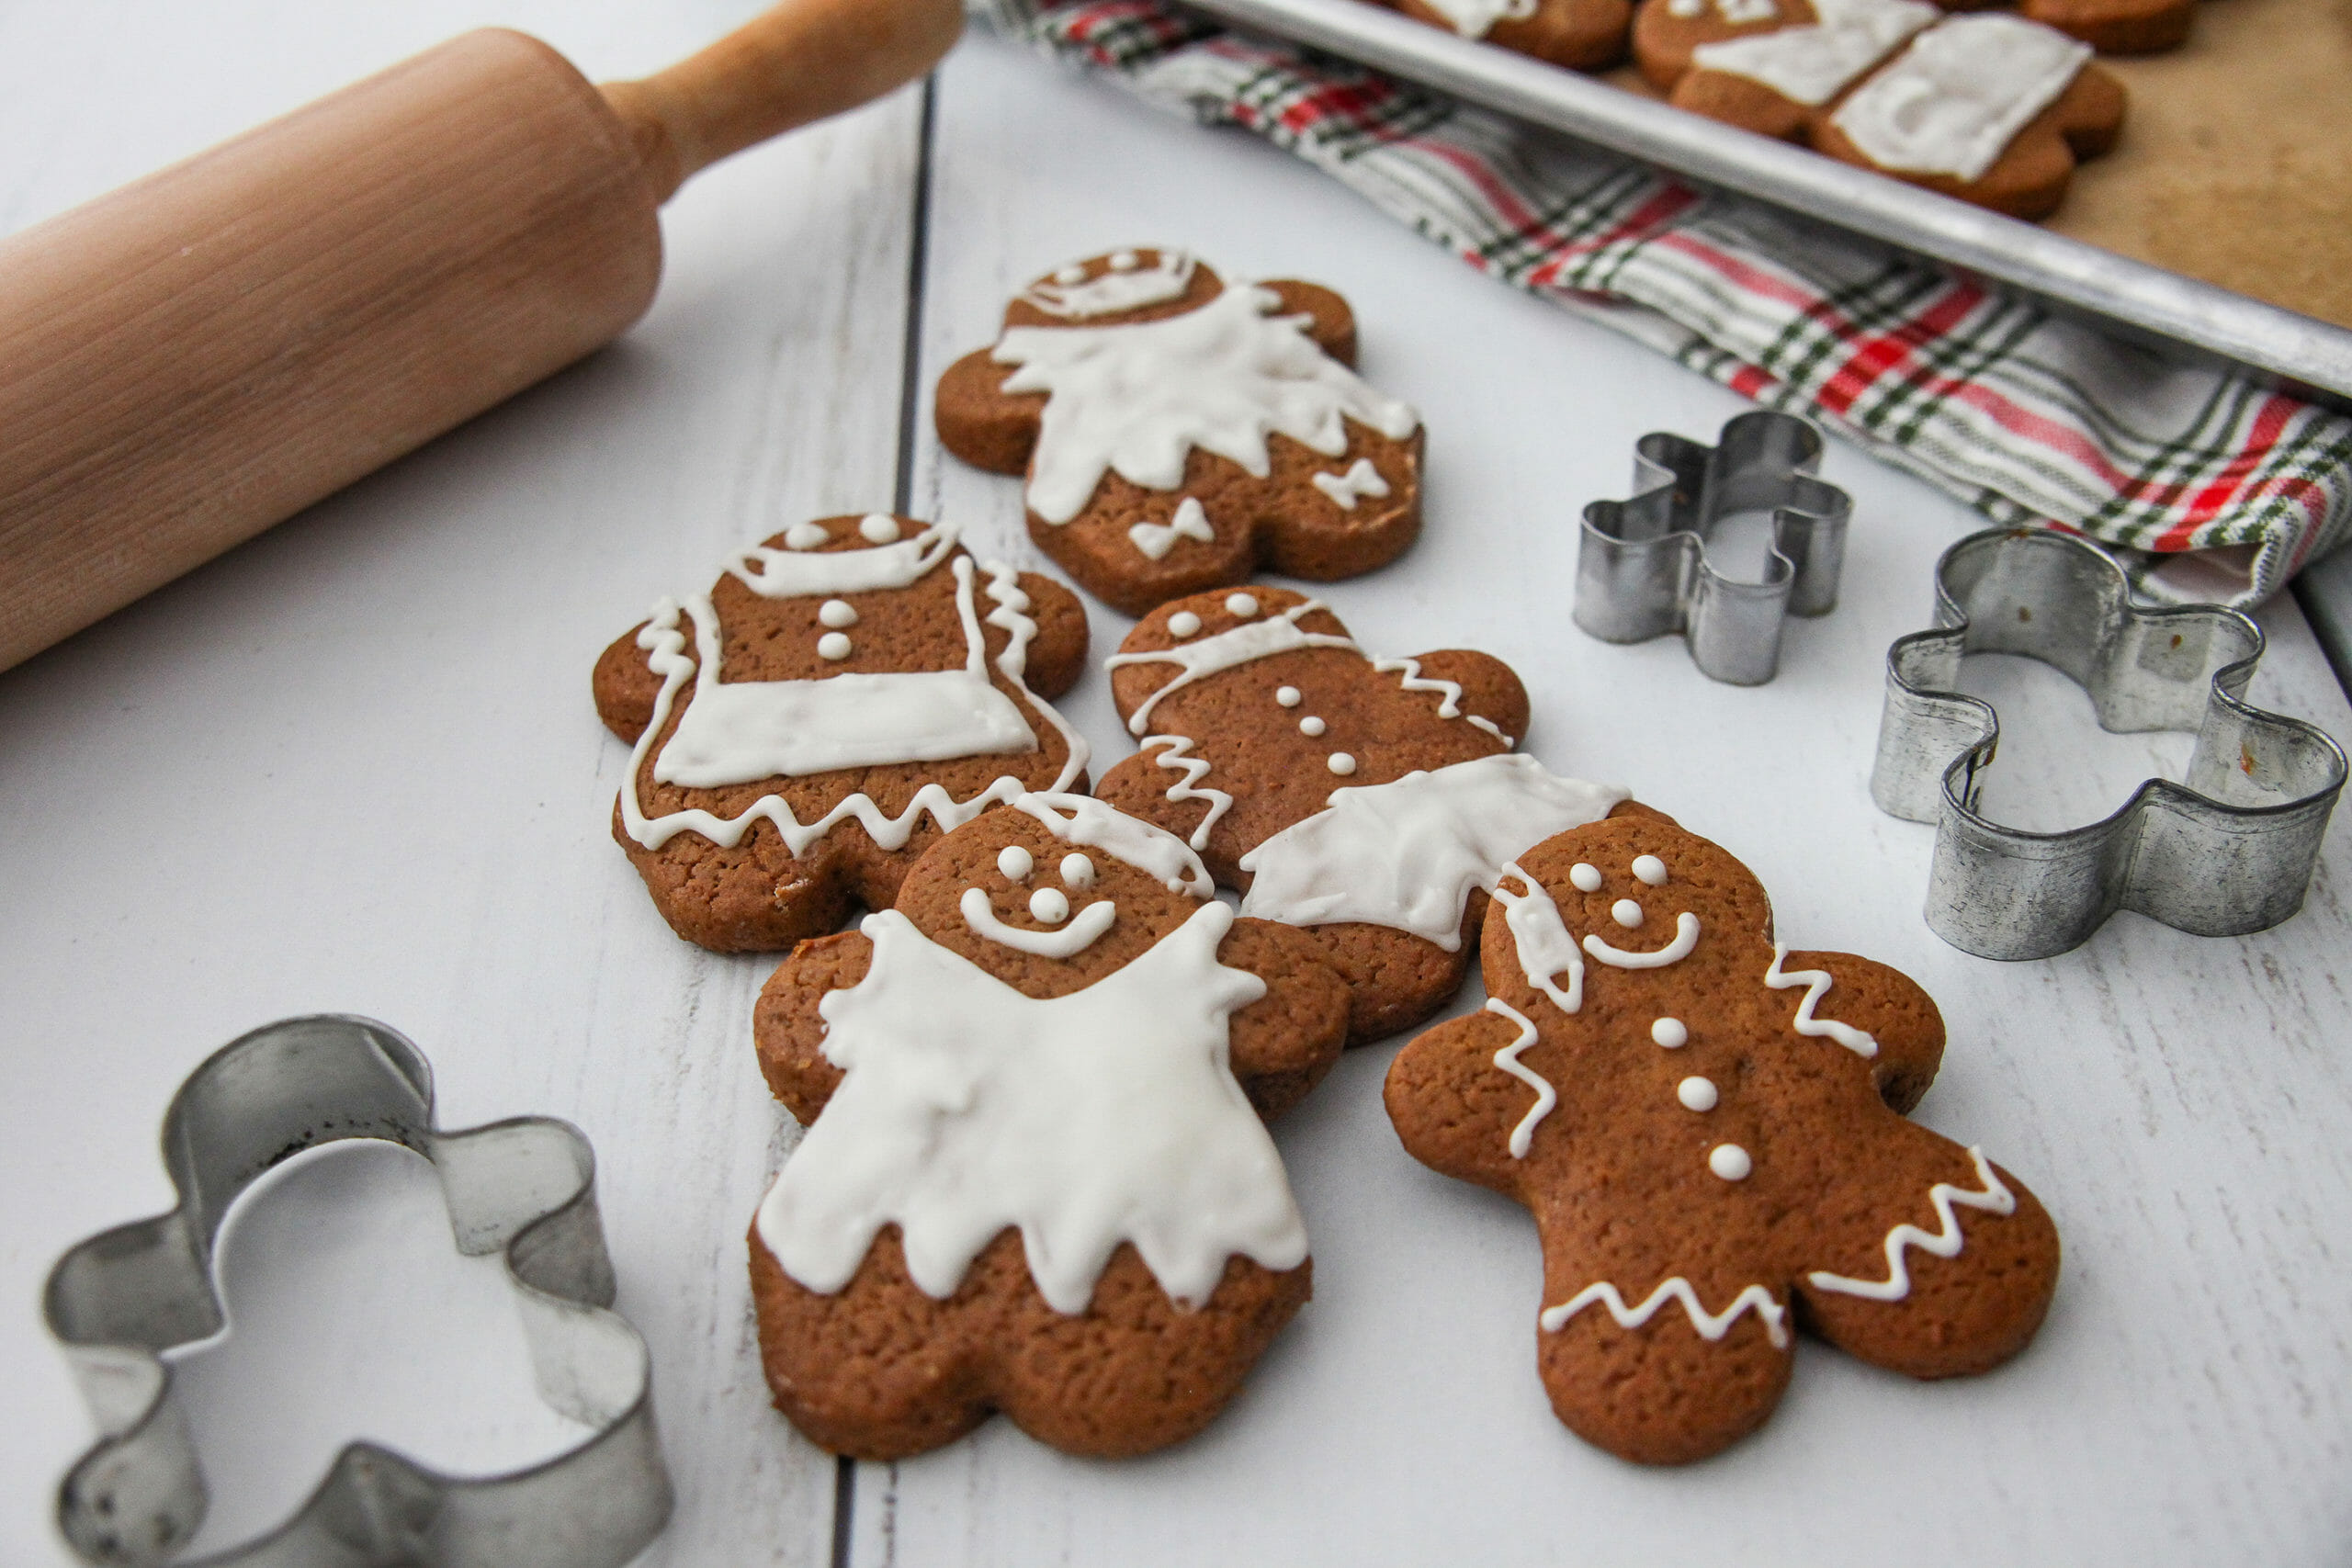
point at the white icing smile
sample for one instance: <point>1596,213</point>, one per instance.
<point>1686,937</point>
<point>1074,296</point>
<point>1071,940</point>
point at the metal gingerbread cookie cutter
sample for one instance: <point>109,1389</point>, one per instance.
<point>525,1186</point>
<point>2229,851</point>
<point>1642,566</point>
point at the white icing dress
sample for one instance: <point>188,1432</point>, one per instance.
<point>1105,1116</point>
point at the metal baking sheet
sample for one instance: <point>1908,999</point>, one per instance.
<point>2146,303</point>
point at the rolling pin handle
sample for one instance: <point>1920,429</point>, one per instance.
<point>799,62</point>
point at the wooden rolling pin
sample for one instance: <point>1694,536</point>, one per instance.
<point>203,353</point>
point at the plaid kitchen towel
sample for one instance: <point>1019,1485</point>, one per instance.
<point>2026,417</point>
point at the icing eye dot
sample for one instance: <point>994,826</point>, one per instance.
<point>1124,261</point>
<point>1730,1162</point>
<point>879,529</point>
<point>1183,622</point>
<point>1071,273</point>
<point>1310,725</point>
<point>1242,605</point>
<point>1051,905</point>
<point>1288,696</point>
<point>1650,869</point>
<point>833,645</point>
<point>837,612</point>
<point>1340,764</point>
<point>1015,863</point>
<point>805,536</point>
<point>1697,1094</point>
<point>1077,871</point>
<point>1626,913</point>
<point>1670,1033</point>
<point>1586,878</point>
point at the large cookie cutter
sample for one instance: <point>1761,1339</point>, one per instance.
<point>525,1186</point>
<point>1642,568</point>
<point>2229,851</point>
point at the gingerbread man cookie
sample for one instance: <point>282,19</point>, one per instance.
<point>846,692</point>
<point>1371,801</point>
<point>1035,1177</point>
<point>1583,35</point>
<point>1710,1132</point>
<point>1179,432</point>
<point>1989,108</point>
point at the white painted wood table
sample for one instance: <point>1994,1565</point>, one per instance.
<point>353,767</point>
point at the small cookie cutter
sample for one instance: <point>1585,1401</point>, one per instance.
<point>1642,568</point>
<point>525,1186</point>
<point>2230,851</point>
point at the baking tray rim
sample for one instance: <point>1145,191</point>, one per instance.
<point>2182,317</point>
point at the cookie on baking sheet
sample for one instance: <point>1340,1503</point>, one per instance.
<point>1989,108</point>
<point>1035,1177</point>
<point>1710,1132</point>
<point>2116,27</point>
<point>1371,801</point>
<point>1583,35</point>
<point>1179,432</point>
<point>846,692</point>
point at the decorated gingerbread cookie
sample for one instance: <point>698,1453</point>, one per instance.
<point>1584,35</point>
<point>1035,1177</point>
<point>1990,108</point>
<point>846,692</point>
<point>2116,27</point>
<point>1179,432</point>
<point>1371,801</point>
<point>1710,1132</point>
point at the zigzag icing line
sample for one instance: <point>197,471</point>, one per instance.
<point>1816,983</point>
<point>1179,754</point>
<point>1449,694</point>
<point>664,644</point>
<point>1546,1097</point>
<point>1713,1326</point>
<point>1992,1198</point>
<point>1012,618</point>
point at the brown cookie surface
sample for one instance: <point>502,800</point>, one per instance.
<point>1036,1178</point>
<point>2029,178</point>
<point>1178,433</point>
<point>801,732</point>
<point>1709,1132</point>
<point>1583,35</point>
<point>2116,27</point>
<point>1893,86</point>
<point>1367,801</point>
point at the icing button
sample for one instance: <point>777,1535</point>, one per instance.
<point>1288,696</point>
<point>878,528</point>
<point>1242,605</point>
<point>1051,905</point>
<point>1183,622</point>
<point>1698,1094</point>
<point>1626,913</point>
<point>1015,863</point>
<point>833,645</point>
<point>1585,877</point>
<point>1730,1162</point>
<point>1650,869</point>
<point>1669,1033</point>
<point>1310,725</point>
<point>837,612</point>
<point>1340,763</point>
